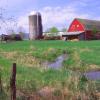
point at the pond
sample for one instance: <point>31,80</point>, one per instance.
<point>94,75</point>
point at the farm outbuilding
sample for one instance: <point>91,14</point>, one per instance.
<point>82,29</point>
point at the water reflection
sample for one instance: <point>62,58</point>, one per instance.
<point>58,62</point>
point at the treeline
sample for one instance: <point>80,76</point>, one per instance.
<point>11,37</point>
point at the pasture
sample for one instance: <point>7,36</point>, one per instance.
<point>32,74</point>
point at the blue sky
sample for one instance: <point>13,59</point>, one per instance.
<point>57,13</point>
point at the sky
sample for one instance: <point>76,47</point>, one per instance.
<point>58,13</point>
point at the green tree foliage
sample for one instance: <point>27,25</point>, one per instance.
<point>94,31</point>
<point>53,30</point>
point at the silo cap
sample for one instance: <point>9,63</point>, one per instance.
<point>35,13</point>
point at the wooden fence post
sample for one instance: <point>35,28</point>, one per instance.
<point>0,82</point>
<point>13,82</point>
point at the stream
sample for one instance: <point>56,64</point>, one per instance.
<point>94,75</point>
<point>58,62</point>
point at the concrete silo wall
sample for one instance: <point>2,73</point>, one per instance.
<point>35,26</point>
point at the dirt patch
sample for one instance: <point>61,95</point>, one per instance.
<point>46,91</point>
<point>21,95</point>
<point>49,93</point>
<point>97,95</point>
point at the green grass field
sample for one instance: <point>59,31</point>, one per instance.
<point>88,51</point>
<point>31,55</point>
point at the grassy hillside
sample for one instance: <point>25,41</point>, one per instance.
<point>31,56</point>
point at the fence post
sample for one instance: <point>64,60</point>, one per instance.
<point>13,82</point>
<point>0,82</point>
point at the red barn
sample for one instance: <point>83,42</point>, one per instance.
<point>82,29</point>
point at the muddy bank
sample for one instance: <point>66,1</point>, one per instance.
<point>48,93</point>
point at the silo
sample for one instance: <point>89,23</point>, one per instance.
<point>35,26</point>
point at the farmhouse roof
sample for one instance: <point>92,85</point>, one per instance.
<point>90,24</point>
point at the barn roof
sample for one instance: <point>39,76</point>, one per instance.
<point>90,24</point>
<point>73,33</point>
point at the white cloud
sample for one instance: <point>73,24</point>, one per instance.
<point>59,16</point>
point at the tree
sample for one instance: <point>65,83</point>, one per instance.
<point>94,30</point>
<point>6,23</point>
<point>53,30</point>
